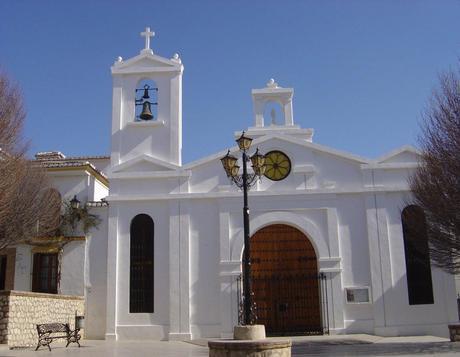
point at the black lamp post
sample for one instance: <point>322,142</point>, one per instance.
<point>245,182</point>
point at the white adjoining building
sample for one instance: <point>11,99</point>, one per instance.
<point>166,261</point>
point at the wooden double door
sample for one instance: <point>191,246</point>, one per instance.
<point>285,281</point>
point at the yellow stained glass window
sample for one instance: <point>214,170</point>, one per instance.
<point>278,165</point>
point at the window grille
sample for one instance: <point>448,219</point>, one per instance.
<point>419,282</point>
<point>141,264</point>
<point>45,273</point>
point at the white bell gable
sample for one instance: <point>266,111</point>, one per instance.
<point>267,123</point>
<point>160,137</point>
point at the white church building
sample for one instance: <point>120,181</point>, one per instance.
<point>332,249</point>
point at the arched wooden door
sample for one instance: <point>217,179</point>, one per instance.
<point>285,281</point>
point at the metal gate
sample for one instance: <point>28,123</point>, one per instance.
<point>285,307</point>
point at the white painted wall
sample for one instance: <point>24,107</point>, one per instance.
<point>72,268</point>
<point>150,325</point>
<point>338,224</point>
<point>204,268</point>
<point>96,277</point>
<point>83,262</point>
<point>101,164</point>
<point>100,190</point>
<point>70,183</point>
<point>23,268</point>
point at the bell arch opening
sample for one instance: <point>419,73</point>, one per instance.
<point>286,285</point>
<point>146,100</point>
<point>273,113</point>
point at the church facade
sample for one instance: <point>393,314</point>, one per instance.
<point>333,248</point>
<point>348,211</point>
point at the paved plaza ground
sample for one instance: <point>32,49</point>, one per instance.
<point>345,345</point>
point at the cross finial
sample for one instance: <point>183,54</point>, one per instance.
<point>147,34</point>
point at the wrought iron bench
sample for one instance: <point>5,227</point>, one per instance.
<point>47,333</point>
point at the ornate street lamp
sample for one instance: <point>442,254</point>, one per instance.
<point>74,202</point>
<point>245,181</point>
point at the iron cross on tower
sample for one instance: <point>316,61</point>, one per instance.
<point>147,34</point>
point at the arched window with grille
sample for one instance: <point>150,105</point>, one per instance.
<point>419,282</point>
<point>141,264</point>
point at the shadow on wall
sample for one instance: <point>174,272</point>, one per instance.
<point>399,318</point>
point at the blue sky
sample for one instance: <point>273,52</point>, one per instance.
<point>362,71</point>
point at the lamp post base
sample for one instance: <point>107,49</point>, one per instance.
<point>250,341</point>
<point>249,332</point>
<point>254,348</point>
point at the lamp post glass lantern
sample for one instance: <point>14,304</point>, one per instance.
<point>245,181</point>
<point>74,202</point>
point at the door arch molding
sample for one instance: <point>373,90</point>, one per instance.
<point>306,226</point>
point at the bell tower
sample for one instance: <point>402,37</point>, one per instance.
<point>147,107</point>
<point>273,113</point>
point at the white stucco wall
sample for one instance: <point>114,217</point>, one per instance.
<point>100,190</point>
<point>96,277</point>
<point>70,183</point>
<point>352,219</point>
<point>101,164</point>
<point>204,269</point>
<point>23,268</point>
<point>80,183</point>
<point>153,325</point>
<point>72,268</point>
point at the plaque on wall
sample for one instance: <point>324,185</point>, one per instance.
<point>357,295</point>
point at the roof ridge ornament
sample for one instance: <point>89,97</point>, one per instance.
<point>272,84</point>
<point>176,58</point>
<point>147,34</point>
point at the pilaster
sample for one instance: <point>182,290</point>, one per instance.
<point>112,273</point>
<point>179,267</point>
<point>379,254</point>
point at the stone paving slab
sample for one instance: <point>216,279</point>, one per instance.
<point>375,349</point>
<point>334,346</point>
<point>91,348</point>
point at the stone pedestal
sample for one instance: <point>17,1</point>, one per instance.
<point>253,348</point>
<point>454,332</point>
<point>249,332</point>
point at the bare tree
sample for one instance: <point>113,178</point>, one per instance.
<point>12,116</point>
<point>28,207</point>
<point>436,184</point>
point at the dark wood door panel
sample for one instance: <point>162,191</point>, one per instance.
<point>284,273</point>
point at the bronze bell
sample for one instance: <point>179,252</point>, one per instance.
<point>146,92</point>
<point>146,112</point>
